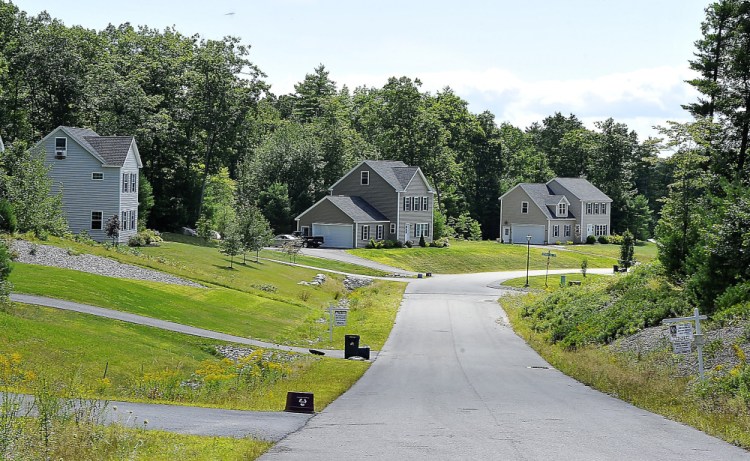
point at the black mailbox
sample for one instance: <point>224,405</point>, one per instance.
<point>351,346</point>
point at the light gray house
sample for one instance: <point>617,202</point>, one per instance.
<point>98,178</point>
<point>380,200</point>
<point>563,209</point>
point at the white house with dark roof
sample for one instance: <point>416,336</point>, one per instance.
<point>379,200</point>
<point>562,210</point>
<point>97,176</point>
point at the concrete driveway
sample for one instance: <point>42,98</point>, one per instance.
<point>454,382</point>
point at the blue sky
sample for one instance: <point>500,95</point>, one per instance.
<point>521,60</point>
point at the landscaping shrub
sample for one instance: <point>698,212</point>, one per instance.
<point>399,244</point>
<point>590,240</point>
<point>84,237</point>
<point>408,244</point>
<point>603,239</point>
<point>8,221</point>
<point>422,242</point>
<point>136,240</point>
<point>389,244</point>
<point>615,239</point>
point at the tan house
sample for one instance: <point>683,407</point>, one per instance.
<point>562,210</point>
<point>379,200</point>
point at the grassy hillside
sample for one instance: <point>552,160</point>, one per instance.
<point>487,256</point>
<point>571,328</point>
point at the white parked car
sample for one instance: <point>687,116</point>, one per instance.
<point>282,239</point>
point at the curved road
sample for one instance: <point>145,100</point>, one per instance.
<point>454,382</point>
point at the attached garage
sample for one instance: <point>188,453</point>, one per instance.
<point>518,233</point>
<point>335,235</point>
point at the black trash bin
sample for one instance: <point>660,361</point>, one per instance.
<point>364,352</point>
<point>351,346</point>
<point>615,268</point>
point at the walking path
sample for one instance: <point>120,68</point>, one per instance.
<point>343,256</point>
<point>163,324</point>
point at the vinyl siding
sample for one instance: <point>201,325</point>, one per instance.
<point>578,208</point>
<point>129,200</point>
<point>511,211</point>
<point>378,193</point>
<point>417,188</point>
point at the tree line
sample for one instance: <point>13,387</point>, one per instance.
<point>203,115</point>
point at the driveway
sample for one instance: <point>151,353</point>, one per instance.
<point>343,256</point>
<point>454,382</point>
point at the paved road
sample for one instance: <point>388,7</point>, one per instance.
<point>343,256</point>
<point>454,382</point>
<point>163,324</point>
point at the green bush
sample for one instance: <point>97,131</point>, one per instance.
<point>84,237</point>
<point>603,239</point>
<point>8,221</point>
<point>615,239</point>
<point>590,240</point>
<point>422,242</point>
<point>399,244</point>
<point>408,244</point>
<point>389,244</point>
<point>136,240</point>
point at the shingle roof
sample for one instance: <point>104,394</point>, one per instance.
<point>539,194</point>
<point>357,208</point>
<point>582,189</point>
<point>112,149</point>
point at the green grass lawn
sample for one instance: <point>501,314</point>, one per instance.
<point>487,256</point>
<point>553,281</point>
<point>323,263</point>
<point>73,351</point>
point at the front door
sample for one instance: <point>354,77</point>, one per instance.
<point>506,234</point>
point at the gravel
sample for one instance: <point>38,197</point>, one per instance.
<point>47,255</point>
<point>718,349</point>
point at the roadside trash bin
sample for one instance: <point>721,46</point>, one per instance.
<point>562,280</point>
<point>419,276</point>
<point>300,402</point>
<point>429,274</point>
<point>364,352</point>
<point>615,268</point>
<point>351,346</point>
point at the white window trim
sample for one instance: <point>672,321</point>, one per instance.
<point>566,230</point>
<point>407,203</point>
<point>124,186</point>
<point>365,232</point>
<point>421,229</point>
<point>604,208</point>
<point>124,220</point>
<point>562,209</point>
<point>393,228</point>
<point>425,204</point>
<point>596,208</point>
<point>589,208</point>
<point>133,220</point>
<point>133,182</point>
<point>364,178</point>
<point>379,232</point>
<point>61,152</point>
<point>556,230</point>
<point>100,178</point>
<point>524,207</point>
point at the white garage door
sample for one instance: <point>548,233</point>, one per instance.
<point>518,233</point>
<point>334,235</point>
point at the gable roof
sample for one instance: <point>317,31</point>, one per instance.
<point>356,208</point>
<point>582,189</point>
<point>110,150</point>
<point>395,172</point>
<point>538,193</point>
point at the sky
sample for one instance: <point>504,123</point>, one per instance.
<point>520,60</point>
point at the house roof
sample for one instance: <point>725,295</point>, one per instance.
<point>356,208</point>
<point>110,150</point>
<point>582,189</point>
<point>538,193</point>
<point>395,172</point>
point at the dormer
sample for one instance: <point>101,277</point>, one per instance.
<point>61,148</point>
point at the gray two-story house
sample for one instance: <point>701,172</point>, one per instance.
<point>379,200</point>
<point>98,179</point>
<point>562,210</point>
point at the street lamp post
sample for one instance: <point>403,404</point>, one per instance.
<point>528,255</point>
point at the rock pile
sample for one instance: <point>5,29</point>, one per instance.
<point>318,280</point>
<point>352,283</point>
<point>47,255</point>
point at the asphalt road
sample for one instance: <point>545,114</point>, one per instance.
<point>454,382</point>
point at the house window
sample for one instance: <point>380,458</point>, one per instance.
<point>425,204</point>
<point>365,232</point>
<point>132,219</point>
<point>124,221</point>
<point>600,229</point>
<point>562,209</point>
<point>305,230</point>
<point>97,176</point>
<point>604,208</point>
<point>422,230</point>
<point>133,183</point>
<point>596,208</point>
<point>364,178</point>
<point>524,207</point>
<point>393,228</point>
<point>379,232</point>
<point>556,230</point>
<point>125,185</point>
<point>588,208</point>
<point>578,229</point>
<point>96,220</point>
<point>407,203</point>
<point>567,230</point>
<point>61,148</point>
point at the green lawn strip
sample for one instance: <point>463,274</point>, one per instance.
<point>147,364</point>
<point>553,281</point>
<point>323,263</point>
<point>639,381</point>
<point>219,309</point>
<point>206,265</point>
<point>486,256</point>
<point>168,446</point>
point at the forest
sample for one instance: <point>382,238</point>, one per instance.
<point>212,134</point>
